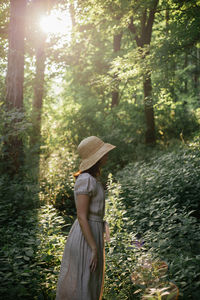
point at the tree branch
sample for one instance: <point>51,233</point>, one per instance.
<point>117,42</point>
<point>150,22</point>
<point>72,14</point>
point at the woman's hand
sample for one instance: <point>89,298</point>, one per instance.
<point>94,260</point>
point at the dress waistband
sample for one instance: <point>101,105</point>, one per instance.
<point>95,218</point>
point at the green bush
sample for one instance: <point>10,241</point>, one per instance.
<point>161,195</point>
<point>31,248</point>
<point>14,135</point>
<point>126,255</point>
<point>120,253</point>
<point>174,119</point>
<point>56,180</point>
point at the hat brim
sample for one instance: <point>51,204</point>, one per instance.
<point>93,159</point>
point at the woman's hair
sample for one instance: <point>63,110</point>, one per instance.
<point>94,170</point>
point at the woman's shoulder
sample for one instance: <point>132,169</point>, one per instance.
<point>85,179</point>
<point>85,183</point>
<point>86,176</point>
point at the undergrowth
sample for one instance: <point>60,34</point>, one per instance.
<point>152,208</point>
<point>31,248</point>
<point>161,206</point>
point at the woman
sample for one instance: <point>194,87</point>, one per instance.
<point>82,267</point>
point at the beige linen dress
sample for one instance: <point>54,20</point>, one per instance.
<point>76,281</point>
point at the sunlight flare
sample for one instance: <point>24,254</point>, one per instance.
<point>56,23</point>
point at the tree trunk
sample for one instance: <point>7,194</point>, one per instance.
<point>148,110</point>
<point>116,47</point>
<point>167,67</point>
<point>196,71</point>
<point>72,13</point>
<point>185,66</point>
<point>15,71</point>
<point>167,20</point>
<point>14,83</point>
<point>40,7</point>
<point>38,91</point>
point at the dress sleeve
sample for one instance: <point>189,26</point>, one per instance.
<point>85,185</point>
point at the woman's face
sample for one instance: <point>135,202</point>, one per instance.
<point>103,160</point>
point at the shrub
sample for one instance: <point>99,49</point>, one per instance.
<point>132,269</point>
<point>120,251</point>
<point>175,118</point>
<point>31,248</point>
<point>161,195</point>
<point>57,180</point>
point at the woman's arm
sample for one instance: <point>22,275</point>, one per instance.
<point>82,207</point>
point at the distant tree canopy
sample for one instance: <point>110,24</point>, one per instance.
<point>127,71</point>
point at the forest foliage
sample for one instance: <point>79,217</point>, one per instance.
<point>128,72</point>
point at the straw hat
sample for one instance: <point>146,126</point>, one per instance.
<point>92,149</point>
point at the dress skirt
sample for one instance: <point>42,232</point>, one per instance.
<point>76,281</point>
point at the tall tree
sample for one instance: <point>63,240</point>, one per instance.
<point>15,78</point>
<point>196,71</point>
<point>116,48</point>
<point>142,35</point>
<point>39,9</point>
<point>15,71</point>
